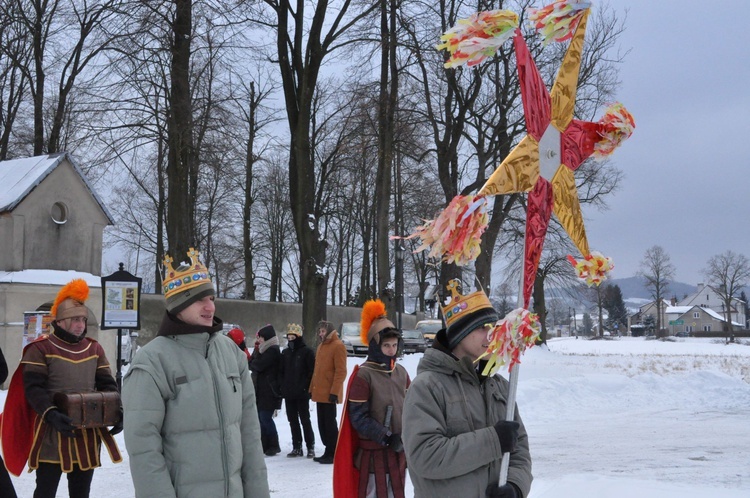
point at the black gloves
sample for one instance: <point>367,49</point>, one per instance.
<point>332,398</point>
<point>394,442</point>
<point>507,433</point>
<point>61,422</point>
<point>117,428</point>
<point>504,491</point>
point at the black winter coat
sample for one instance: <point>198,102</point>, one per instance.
<point>297,365</point>
<point>3,368</point>
<point>265,366</point>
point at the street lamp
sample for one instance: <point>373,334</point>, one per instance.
<point>399,255</point>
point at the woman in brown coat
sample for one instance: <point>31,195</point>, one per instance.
<point>327,386</point>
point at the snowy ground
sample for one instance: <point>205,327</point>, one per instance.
<point>606,419</point>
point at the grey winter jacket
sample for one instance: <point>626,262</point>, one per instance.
<point>191,425</point>
<point>451,446</point>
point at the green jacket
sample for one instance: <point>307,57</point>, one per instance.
<point>451,446</point>
<point>191,424</point>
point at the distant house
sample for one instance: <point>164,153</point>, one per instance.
<point>50,216</point>
<point>707,297</point>
<point>676,319</point>
<point>650,309</point>
<point>694,319</point>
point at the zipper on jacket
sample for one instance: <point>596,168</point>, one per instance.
<point>224,464</point>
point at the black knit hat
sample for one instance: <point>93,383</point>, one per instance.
<point>267,332</point>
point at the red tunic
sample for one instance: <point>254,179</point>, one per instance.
<point>25,434</point>
<point>357,456</point>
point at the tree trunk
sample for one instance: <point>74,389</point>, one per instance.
<point>540,307</point>
<point>386,108</point>
<point>180,167</point>
<point>39,83</point>
<point>247,252</point>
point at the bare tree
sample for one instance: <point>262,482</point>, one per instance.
<point>727,274</point>
<point>656,267</point>
<point>15,54</point>
<point>64,39</point>
<point>301,47</point>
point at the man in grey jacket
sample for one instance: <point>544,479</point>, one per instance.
<point>454,428</point>
<point>191,424</point>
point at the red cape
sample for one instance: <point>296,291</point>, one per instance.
<point>345,475</point>
<point>17,423</point>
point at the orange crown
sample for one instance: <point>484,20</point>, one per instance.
<point>460,306</point>
<point>185,276</point>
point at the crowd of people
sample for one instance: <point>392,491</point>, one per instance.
<point>198,406</point>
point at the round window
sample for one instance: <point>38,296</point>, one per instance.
<point>59,213</point>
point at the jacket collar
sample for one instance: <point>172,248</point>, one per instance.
<point>439,358</point>
<point>330,337</point>
<point>66,336</point>
<point>171,325</point>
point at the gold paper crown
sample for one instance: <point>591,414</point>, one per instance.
<point>460,306</point>
<point>294,329</point>
<point>184,277</point>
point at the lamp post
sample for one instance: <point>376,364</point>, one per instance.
<point>399,255</point>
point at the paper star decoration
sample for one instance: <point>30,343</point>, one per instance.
<point>543,162</point>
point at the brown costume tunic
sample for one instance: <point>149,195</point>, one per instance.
<point>68,367</point>
<point>381,387</point>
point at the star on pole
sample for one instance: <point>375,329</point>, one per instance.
<point>543,162</point>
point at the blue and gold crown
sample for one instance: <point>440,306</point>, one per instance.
<point>460,306</point>
<point>185,276</point>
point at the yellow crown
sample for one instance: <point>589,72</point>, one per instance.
<point>460,306</point>
<point>294,329</point>
<point>185,276</point>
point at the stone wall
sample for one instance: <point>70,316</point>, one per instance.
<point>251,315</point>
<point>15,299</point>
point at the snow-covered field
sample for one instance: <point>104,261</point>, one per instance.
<point>606,419</point>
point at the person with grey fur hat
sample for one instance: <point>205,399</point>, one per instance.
<point>454,421</point>
<point>191,423</point>
<point>327,386</point>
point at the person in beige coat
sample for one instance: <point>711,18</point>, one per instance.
<point>327,386</point>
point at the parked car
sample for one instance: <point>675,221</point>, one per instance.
<point>429,328</point>
<point>349,333</point>
<point>414,341</point>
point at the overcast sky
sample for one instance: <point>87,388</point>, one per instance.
<point>686,183</point>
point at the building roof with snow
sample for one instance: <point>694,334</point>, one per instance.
<point>19,177</point>
<point>50,216</point>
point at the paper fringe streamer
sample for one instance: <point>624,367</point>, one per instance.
<point>474,39</point>
<point>510,338</point>
<point>593,269</point>
<point>454,236</point>
<point>558,20</point>
<point>615,127</point>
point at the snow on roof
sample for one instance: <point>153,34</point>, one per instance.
<point>679,310</point>
<point>48,277</point>
<point>18,177</point>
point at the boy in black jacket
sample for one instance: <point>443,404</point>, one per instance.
<point>297,364</point>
